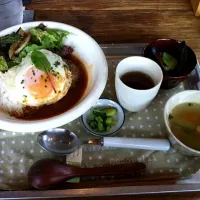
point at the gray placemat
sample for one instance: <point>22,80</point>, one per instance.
<point>18,151</point>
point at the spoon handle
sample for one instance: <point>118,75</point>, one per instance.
<point>137,143</point>
<point>48,172</point>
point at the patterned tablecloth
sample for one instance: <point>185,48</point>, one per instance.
<point>18,151</point>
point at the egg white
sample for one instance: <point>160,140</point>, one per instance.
<point>14,91</point>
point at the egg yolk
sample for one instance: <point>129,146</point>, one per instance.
<point>38,84</point>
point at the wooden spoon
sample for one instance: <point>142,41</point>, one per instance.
<point>46,173</point>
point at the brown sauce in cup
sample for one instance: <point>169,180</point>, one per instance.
<point>137,80</point>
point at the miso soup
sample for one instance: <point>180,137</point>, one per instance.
<point>184,121</point>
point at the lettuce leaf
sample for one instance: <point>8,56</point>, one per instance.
<point>41,38</point>
<point>49,38</point>
<point>3,64</point>
<point>37,34</point>
<point>9,39</point>
<point>29,48</point>
<point>44,39</point>
<point>15,61</point>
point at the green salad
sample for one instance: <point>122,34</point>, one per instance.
<point>15,46</point>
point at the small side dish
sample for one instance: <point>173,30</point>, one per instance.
<point>104,119</point>
<point>182,119</point>
<point>176,59</point>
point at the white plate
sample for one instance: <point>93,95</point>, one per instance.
<point>96,65</point>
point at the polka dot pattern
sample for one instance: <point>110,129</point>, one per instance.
<point>146,124</point>
<point>18,151</point>
<point>17,154</point>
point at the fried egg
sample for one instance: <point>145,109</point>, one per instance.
<point>24,86</point>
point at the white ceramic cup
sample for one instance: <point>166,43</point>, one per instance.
<point>131,99</point>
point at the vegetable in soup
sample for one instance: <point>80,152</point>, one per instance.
<point>184,121</point>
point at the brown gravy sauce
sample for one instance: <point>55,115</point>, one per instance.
<point>68,101</point>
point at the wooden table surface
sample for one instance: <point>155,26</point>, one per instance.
<point>110,5</point>
<point>127,21</point>
<point>189,196</point>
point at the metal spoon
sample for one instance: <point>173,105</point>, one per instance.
<point>62,141</point>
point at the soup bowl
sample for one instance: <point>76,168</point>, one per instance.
<point>89,52</point>
<point>188,96</point>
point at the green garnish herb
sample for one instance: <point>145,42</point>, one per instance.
<point>22,81</point>
<point>170,61</point>
<point>170,117</point>
<point>25,96</point>
<point>41,62</point>
<point>190,104</point>
<point>57,63</point>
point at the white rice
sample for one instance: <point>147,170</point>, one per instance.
<point>8,102</point>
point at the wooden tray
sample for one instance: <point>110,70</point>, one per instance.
<point>152,185</point>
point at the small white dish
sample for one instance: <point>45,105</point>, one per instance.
<point>105,103</point>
